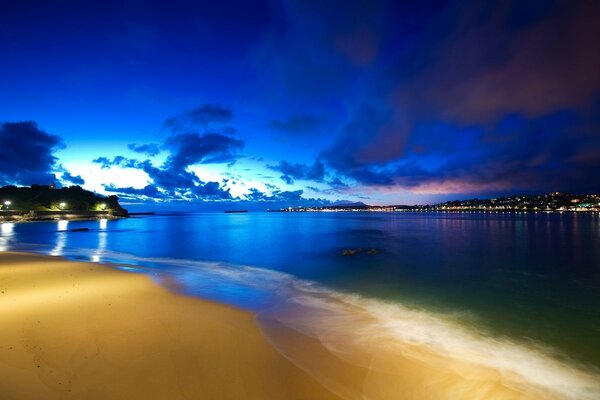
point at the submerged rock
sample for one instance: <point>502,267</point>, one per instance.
<point>351,252</point>
<point>354,251</point>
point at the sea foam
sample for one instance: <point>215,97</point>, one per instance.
<point>350,326</point>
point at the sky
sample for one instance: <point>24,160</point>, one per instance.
<point>267,104</point>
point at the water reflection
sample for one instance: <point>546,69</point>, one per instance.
<point>62,225</point>
<point>7,229</point>
<point>102,236</point>
<point>61,238</point>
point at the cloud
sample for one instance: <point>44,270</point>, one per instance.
<point>542,154</point>
<point>26,154</point>
<point>202,191</point>
<point>279,199</point>
<point>313,54</point>
<point>315,172</point>
<point>173,180</point>
<point>494,97</point>
<point>200,116</point>
<point>297,125</point>
<point>372,136</point>
<point>185,150</point>
<point>193,148</point>
<point>151,149</point>
<point>73,179</point>
<point>212,191</point>
<point>118,161</point>
<point>167,178</point>
<point>275,196</point>
<point>150,191</point>
<point>535,60</point>
<point>337,184</point>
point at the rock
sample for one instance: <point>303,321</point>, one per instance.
<point>351,252</point>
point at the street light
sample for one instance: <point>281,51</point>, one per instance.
<point>7,203</point>
<point>62,206</point>
<point>102,206</point>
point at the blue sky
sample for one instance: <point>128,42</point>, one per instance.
<point>301,102</point>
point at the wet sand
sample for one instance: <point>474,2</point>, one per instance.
<point>71,330</point>
<point>74,330</point>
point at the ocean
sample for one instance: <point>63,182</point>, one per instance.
<point>518,292</point>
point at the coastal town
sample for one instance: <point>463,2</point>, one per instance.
<point>551,202</point>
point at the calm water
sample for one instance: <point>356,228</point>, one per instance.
<point>530,278</point>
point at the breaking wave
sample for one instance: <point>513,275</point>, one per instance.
<point>399,349</point>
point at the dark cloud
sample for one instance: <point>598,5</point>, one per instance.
<point>193,148</point>
<point>212,191</point>
<point>151,149</point>
<point>173,180</point>
<point>517,154</point>
<point>118,161</point>
<point>371,137</point>
<point>297,125</point>
<point>150,191</point>
<point>278,199</point>
<point>167,178</point>
<point>73,179</point>
<point>26,154</point>
<point>509,57</point>
<point>280,196</point>
<point>312,56</point>
<point>200,116</point>
<point>271,187</point>
<point>468,105</point>
<point>200,192</point>
<point>337,184</point>
<point>186,149</point>
<point>315,172</point>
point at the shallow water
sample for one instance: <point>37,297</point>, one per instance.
<point>523,287</point>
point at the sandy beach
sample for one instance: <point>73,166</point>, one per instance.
<point>73,330</point>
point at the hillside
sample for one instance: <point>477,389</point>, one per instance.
<point>46,198</point>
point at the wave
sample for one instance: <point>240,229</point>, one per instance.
<point>399,349</point>
<point>373,334</point>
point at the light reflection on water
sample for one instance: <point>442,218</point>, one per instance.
<point>7,230</point>
<point>102,237</point>
<point>524,275</point>
<point>61,237</point>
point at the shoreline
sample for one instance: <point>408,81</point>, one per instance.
<point>92,325</point>
<point>46,216</point>
<point>85,330</point>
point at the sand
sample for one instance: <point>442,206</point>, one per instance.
<point>71,330</point>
